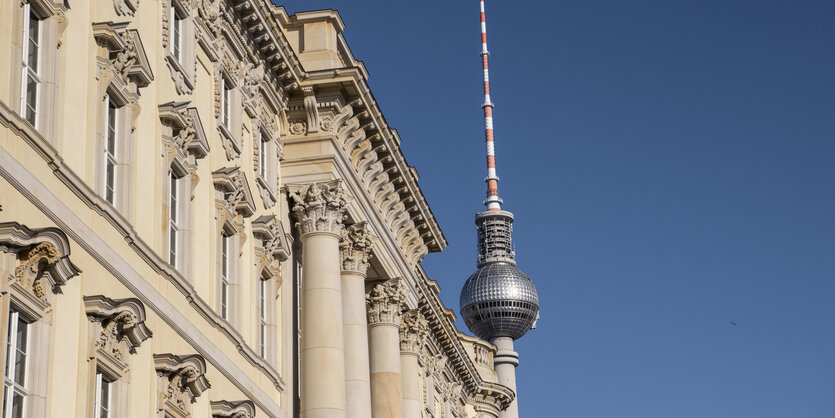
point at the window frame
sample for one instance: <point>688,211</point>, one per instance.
<point>102,383</point>
<point>225,279</point>
<point>111,160</point>
<point>225,104</point>
<point>10,385</point>
<point>177,23</point>
<point>174,219</point>
<point>27,71</point>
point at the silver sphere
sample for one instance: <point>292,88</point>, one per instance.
<point>499,300</point>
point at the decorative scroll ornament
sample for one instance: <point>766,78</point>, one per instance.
<point>210,11</point>
<point>125,7</point>
<point>127,57</point>
<point>355,248</point>
<point>239,409</point>
<point>385,302</point>
<point>186,134</point>
<point>253,76</point>
<point>183,381</point>
<point>31,263</point>
<point>319,207</point>
<point>413,331</point>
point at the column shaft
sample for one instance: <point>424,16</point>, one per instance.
<point>322,340</point>
<point>357,374</point>
<point>411,385</point>
<point>384,310</point>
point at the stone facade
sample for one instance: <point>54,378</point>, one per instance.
<point>203,212</point>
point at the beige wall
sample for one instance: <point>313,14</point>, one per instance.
<point>327,127</point>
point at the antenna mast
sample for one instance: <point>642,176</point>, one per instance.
<point>493,202</point>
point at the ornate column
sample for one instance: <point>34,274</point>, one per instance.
<point>319,211</point>
<point>354,251</point>
<point>413,332</point>
<point>385,304</point>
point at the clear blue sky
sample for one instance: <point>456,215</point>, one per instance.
<point>671,166</point>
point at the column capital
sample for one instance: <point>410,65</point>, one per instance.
<point>385,303</point>
<point>318,207</point>
<point>413,331</point>
<point>355,248</point>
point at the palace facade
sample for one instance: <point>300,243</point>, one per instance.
<point>206,214</point>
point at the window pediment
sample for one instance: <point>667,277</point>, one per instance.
<point>125,52</point>
<point>42,265</point>
<point>237,198</point>
<point>238,409</point>
<point>187,134</point>
<point>119,327</point>
<point>182,380</point>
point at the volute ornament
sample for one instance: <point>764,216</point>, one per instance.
<point>355,248</point>
<point>413,331</point>
<point>31,263</point>
<point>319,207</point>
<point>385,302</point>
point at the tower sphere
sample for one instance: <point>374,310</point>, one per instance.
<point>499,300</point>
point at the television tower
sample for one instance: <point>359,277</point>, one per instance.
<point>499,302</point>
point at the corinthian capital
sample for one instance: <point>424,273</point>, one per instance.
<point>319,207</point>
<point>385,303</point>
<point>355,248</point>
<point>413,331</point>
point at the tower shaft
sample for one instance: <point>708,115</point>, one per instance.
<point>505,362</point>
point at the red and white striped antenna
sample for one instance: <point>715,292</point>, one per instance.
<point>493,202</point>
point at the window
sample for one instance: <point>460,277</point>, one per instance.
<point>224,276</point>
<point>262,155</point>
<point>176,34</point>
<point>102,408</point>
<point>17,352</point>
<point>262,317</point>
<point>225,104</point>
<point>110,152</point>
<point>173,219</point>
<point>30,61</point>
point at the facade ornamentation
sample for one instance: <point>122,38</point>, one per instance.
<point>413,331</point>
<point>120,325</point>
<point>31,263</point>
<point>355,248</point>
<point>210,11</point>
<point>326,124</point>
<point>233,200</point>
<point>125,7</point>
<point>126,58</point>
<point>319,207</point>
<point>298,127</point>
<point>238,409</point>
<point>272,246</point>
<point>253,76</point>
<point>385,302</point>
<point>310,108</point>
<point>182,380</point>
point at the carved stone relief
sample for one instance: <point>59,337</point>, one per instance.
<point>385,302</point>
<point>182,380</point>
<point>355,248</point>
<point>413,331</point>
<point>319,207</point>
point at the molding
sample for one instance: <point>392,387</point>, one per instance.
<point>30,187</point>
